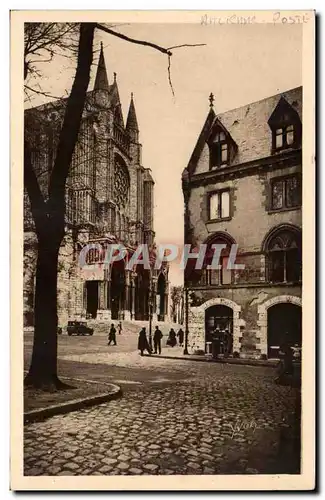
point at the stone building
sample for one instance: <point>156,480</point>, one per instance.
<point>242,187</point>
<point>109,200</point>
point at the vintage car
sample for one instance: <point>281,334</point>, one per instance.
<point>79,328</point>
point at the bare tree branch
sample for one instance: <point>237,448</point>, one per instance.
<point>41,92</point>
<point>169,75</point>
<point>186,45</point>
<point>133,40</point>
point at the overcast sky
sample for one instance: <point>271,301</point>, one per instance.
<point>239,64</point>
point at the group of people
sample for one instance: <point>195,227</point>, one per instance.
<point>143,344</point>
<point>222,341</point>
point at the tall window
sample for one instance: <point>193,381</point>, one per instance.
<point>219,205</point>
<point>286,192</point>
<point>219,150</point>
<point>284,258</point>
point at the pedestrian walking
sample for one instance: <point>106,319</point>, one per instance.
<point>180,335</point>
<point>228,343</point>
<point>112,335</point>
<point>171,338</point>
<point>119,327</point>
<point>157,336</point>
<point>143,344</point>
<point>285,366</point>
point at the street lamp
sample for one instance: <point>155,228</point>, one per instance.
<point>186,320</point>
<point>151,303</point>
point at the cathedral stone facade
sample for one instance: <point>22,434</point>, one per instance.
<point>109,200</point>
<point>242,187</point>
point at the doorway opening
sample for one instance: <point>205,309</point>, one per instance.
<point>219,328</point>
<point>92,298</point>
<point>283,325</point>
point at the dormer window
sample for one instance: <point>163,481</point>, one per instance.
<point>285,126</point>
<point>219,150</point>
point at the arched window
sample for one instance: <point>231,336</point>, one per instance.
<point>217,276</point>
<point>283,250</point>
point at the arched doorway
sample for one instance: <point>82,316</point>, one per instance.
<point>283,325</point>
<point>117,290</point>
<point>218,321</point>
<point>161,297</point>
<point>142,283</point>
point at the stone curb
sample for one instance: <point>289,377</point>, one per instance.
<point>230,361</point>
<point>75,404</point>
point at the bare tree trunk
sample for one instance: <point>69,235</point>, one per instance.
<point>43,368</point>
<point>49,220</point>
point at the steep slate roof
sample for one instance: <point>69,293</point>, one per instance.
<point>248,126</point>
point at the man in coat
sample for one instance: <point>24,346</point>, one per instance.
<point>180,335</point>
<point>112,335</point>
<point>157,336</point>
<point>143,343</point>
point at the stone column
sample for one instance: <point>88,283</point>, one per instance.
<point>236,345</point>
<point>166,315</point>
<point>127,305</point>
<point>84,298</point>
<point>262,270</point>
<point>262,323</point>
<point>132,305</point>
<point>103,313</point>
<point>196,330</point>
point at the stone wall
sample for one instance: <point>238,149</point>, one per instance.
<point>249,305</point>
<point>251,218</point>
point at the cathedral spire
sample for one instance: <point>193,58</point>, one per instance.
<point>101,81</point>
<point>132,122</point>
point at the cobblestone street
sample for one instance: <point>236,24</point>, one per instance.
<point>200,418</point>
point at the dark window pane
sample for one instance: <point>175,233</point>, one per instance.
<point>277,194</point>
<point>293,265</point>
<point>215,155</point>
<point>292,192</point>
<point>277,267</point>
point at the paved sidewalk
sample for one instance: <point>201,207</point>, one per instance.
<point>178,353</point>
